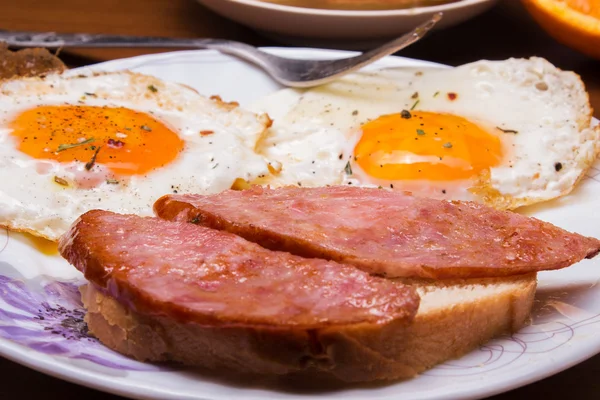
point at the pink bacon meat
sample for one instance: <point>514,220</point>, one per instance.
<point>204,276</point>
<point>384,232</point>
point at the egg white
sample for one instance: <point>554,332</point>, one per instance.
<point>32,201</point>
<point>541,114</point>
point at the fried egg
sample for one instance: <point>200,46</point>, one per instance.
<point>505,133</point>
<point>115,141</point>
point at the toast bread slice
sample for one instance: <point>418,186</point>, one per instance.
<point>454,318</point>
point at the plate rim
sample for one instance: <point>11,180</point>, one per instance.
<point>303,11</point>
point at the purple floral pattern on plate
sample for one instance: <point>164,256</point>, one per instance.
<point>47,316</point>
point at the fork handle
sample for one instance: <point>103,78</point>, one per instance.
<point>58,40</point>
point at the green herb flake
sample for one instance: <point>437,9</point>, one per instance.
<point>507,130</point>
<point>414,105</point>
<point>67,146</point>
<point>112,181</point>
<point>152,88</point>
<point>436,94</point>
<point>447,145</point>
<point>348,168</point>
<point>420,132</point>
<point>90,164</point>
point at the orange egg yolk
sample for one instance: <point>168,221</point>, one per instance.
<point>125,141</point>
<point>425,145</point>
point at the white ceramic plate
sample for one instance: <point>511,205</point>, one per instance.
<point>40,310</point>
<point>339,28</point>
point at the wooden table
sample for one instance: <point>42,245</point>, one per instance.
<point>501,33</point>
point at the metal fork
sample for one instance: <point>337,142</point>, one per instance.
<point>289,72</point>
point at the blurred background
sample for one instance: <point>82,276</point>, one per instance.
<point>504,30</point>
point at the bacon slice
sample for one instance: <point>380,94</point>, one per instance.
<point>384,232</point>
<point>195,274</point>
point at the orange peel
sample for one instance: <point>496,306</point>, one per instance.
<point>574,23</point>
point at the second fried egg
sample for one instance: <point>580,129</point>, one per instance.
<point>505,133</point>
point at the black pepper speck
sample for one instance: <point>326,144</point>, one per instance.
<point>558,166</point>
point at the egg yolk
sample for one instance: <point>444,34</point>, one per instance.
<point>425,145</point>
<point>44,246</point>
<point>127,142</point>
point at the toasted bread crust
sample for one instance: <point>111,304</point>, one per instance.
<point>479,310</point>
<point>28,62</point>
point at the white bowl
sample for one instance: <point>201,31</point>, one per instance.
<point>339,28</point>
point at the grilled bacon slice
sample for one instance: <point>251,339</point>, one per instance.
<point>196,274</point>
<point>384,232</point>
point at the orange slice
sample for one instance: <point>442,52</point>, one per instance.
<point>575,23</point>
